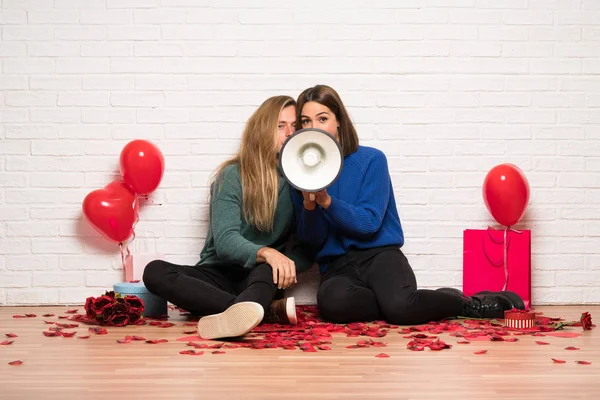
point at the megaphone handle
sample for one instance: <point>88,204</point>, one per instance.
<point>311,197</point>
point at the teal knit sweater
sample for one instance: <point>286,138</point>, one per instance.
<point>232,241</point>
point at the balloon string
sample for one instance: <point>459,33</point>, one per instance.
<point>505,244</point>
<point>505,259</point>
<point>122,255</point>
<point>137,218</point>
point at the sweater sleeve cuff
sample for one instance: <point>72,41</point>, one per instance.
<point>334,206</point>
<point>250,249</point>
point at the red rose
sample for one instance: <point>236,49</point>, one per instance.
<point>119,320</point>
<point>110,294</point>
<point>135,303</point>
<point>586,321</point>
<point>107,313</point>
<point>99,303</point>
<point>134,316</point>
<point>89,307</point>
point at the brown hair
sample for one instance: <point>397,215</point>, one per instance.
<point>328,97</point>
<point>257,160</point>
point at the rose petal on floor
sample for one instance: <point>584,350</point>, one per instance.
<point>382,355</point>
<point>189,338</point>
<point>480,352</point>
<point>583,362</point>
<point>557,361</point>
<point>16,362</point>
<point>564,334</point>
<point>6,342</point>
<point>571,348</point>
<point>541,343</point>
<point>155,341</point>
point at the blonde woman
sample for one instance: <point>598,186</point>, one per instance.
<point>247,255</point>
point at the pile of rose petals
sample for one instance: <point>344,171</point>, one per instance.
<point>312,334</point>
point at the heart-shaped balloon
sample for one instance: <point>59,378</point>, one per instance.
<point>142,166</point>
<point>112,211</point>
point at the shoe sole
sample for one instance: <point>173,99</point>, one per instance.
<point>237,320</point>
<point>290,310</point>
<point>513,298</point>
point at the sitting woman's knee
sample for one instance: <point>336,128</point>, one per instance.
<point>332,302</point>
<point>398,312</point>
<point>154,275</point>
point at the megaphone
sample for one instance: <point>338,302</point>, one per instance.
<point>311,160</point>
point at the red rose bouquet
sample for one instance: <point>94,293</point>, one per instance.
<point>114,310</point>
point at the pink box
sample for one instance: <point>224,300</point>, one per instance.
<point>136,263</point>
<point>484,264</point>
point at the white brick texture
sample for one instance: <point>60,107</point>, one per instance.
<point>447,89</point>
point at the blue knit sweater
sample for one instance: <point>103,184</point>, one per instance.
<point>362,213</point>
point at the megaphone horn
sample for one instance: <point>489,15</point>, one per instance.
<point>311,160</point>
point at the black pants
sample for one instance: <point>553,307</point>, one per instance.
<point>378,283</point>
<point>205,290</point>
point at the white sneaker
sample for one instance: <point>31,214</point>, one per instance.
<point>237,320</point>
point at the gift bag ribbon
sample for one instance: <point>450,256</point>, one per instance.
<point>505,243</point>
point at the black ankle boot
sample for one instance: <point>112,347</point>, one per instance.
<point>487,304</point>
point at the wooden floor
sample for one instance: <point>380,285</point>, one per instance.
<point>101,368</point>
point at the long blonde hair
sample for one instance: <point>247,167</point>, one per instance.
<point>257,159</point>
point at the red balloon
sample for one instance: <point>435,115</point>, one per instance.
<point>506,193</point>
<point>112,211</point>
<point>142,166</point>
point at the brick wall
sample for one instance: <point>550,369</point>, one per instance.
<point>447,89</point>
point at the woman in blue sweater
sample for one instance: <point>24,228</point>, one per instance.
<point>355,223</point>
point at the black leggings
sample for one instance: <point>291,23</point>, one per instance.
<point>378,283</point>
<point>205,290</point>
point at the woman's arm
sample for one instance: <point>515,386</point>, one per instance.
<point>365,217</point>
<point>226,223</point>
<point>312,225</point>
<point>231,245</point>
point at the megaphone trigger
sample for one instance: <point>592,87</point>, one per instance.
<point>311,197</point>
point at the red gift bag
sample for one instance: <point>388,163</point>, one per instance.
<point>492,263</point>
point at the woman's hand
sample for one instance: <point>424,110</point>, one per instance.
<point>284,269</point>
<point>311,199</point>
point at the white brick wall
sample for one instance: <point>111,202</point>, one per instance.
<point>447,88</point>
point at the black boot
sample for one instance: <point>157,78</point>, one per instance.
<point>487,304</point>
